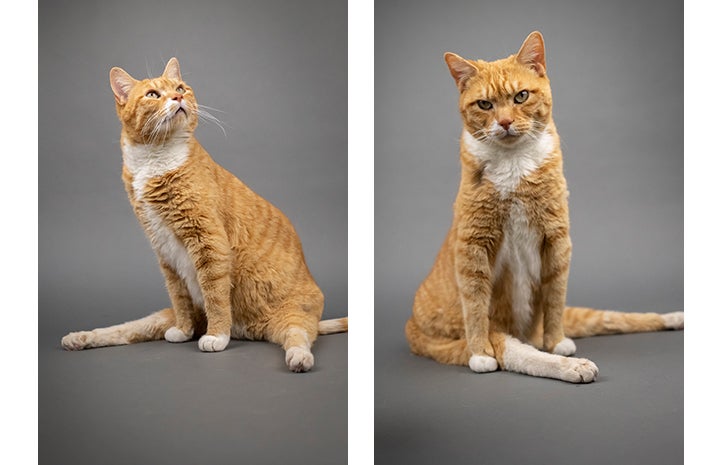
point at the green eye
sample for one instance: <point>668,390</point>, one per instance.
<point>484,104</point>
<point>152,94</point>
<point>521,97</point>
<point>180,90</point>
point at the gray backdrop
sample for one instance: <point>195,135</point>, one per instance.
<point>616,70</point>
<point>276,71</point>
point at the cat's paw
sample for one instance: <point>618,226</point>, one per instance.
<point>210,343</point>
<point>77,341</point>
<point>566,347</point>
<point>578,370</point>
<point>299,359</point>
<point>482,363</point>
<point>175,334</point>
<point>673,320</point>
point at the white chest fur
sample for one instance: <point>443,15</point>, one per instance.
<point>505,167</point>
<point>520,255</point>
<point>145,163</point>
<point>172,251</point>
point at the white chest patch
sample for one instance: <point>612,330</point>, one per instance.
<point>167,245</point>
<point>505,167</point>
<point>520,255</point>
<point>146,162</point>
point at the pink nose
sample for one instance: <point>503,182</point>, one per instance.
<point>506,123</point>
<point>177,97</point>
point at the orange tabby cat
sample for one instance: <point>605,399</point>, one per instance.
<point>497,290</point>
<point>232,262</point>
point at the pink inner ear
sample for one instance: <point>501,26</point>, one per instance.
<point>121,83</point>
<point>533,54</point>
<point>172,69</point>
<point>460,69</point>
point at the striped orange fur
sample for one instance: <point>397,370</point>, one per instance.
<point>495,296</point>
<point>232,262</point>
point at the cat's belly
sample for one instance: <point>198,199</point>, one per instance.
<point>519,256</point>
<point>172,251</point>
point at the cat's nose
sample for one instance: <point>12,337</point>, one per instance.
<point>505,123</point>
<point>177,97</point>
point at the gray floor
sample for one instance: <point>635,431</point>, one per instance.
<point>165,403</point>
<point>428,413</point>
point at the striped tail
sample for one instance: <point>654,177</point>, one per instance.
<point>582,322</point>
<point>150,328</point>
<point>338,325</point>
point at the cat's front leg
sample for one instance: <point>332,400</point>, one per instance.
<point>211,256</point>
<point>473,276</point>
<point>555,264</point>
<point>182,302</point>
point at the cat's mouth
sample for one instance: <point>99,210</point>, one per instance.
<point>507,137</point>
<point>181,110</point>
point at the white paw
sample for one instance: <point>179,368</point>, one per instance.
<point>482,363</point>
<point>173,334</point>
<point>209,343</point>
<point>566,347</point>
<point>673,320</point>
<point>77,341</point>
<point>299,359</point>
<point>578,370</point>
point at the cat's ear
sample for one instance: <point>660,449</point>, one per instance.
<point>121,83</point>
<point>533,53</point>
<point>461,69</point>
<point>172,69</point>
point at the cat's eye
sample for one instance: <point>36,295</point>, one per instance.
<point>484,104</point>
<point>521,97</point>
<point>152,94</point>
<point>180,90</point>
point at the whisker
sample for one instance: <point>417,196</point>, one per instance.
<point>207,116</point>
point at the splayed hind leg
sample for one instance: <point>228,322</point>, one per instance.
<point>518,357</point>
<point>150,328</point>
<point>295,328</point>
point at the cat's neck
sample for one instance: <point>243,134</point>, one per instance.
<point>505,166</point>
<point>169,151</point>
<point>145,161</point>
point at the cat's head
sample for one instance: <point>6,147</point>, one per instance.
<point>155,109</point>
<point>506,101</point>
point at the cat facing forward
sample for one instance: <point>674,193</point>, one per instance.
<point>233,263</point>
<point>496,294</point>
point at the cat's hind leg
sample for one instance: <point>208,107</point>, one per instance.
<point>514,355</point>
<point>452,351</point>
<point>150,328</point>
<point>295,327</point>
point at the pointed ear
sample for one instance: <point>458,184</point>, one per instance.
<point>461,69</point>
<point>172,69</point>
<point>121,83</point>
<point>533,53</point>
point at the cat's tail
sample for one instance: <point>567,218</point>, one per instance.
<point>582,322</point>
<point>444,350</point>
<point>337,325</point>
<point>150,328</point>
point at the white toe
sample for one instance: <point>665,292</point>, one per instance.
<point>566,347</point>
<point>482,363</point>
<point>174,334</point>
<point>299,359</point>
<point>209,343</point>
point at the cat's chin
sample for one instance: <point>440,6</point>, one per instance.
<point>508,140</point>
